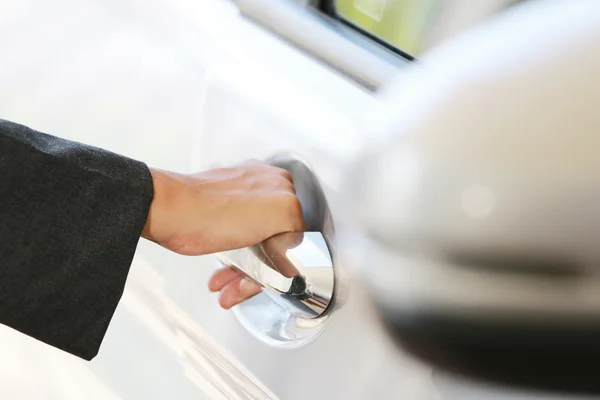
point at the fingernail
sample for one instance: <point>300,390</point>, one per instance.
<point>248,286</point>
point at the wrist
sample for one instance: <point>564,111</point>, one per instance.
<point>166,189</point>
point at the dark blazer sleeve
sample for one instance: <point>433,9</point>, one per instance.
<point>70,220</point>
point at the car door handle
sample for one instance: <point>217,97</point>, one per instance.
<point>296,268</point>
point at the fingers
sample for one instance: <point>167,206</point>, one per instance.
<point>258,163</point>
<point>236,291</point>
<point>234,286</point>
<point>295,217</point>
<point>285,267</point>
<point>286,174</point>
<point>208,214</point>
<point>287,241</point>
<point>276,247</point>
<point>222,277</point>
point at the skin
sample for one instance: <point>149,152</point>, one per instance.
<point>223,209</point>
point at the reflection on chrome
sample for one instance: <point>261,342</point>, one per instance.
<point>295,267</point>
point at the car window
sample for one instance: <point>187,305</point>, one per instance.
<point>400,23</point>
<point>412,26</point>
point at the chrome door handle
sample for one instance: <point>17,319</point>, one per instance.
<point>295,268</point>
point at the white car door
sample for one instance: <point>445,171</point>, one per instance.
<point>185,86</point>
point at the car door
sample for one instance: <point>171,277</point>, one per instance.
<point>209,88</point>
<point>277,99</point>
<point>342,354</point>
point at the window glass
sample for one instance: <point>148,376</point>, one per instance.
<point>402,23</point>
<point>413,26</point>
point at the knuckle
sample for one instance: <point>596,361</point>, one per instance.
<point>292,188</point>
<point>286,174</point>
<point>295,210</point>
<point>289,189</point>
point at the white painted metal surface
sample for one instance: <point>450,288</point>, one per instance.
<point>183,85</point>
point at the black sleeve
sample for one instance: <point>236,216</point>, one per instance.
<point>70,220</point>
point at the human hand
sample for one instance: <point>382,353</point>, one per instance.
<point>222,209</point>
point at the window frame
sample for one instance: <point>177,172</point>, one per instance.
<point>329,40</point>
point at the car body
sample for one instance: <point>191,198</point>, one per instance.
<point>186,86</point>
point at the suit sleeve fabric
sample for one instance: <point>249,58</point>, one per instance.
<point>70,219</point>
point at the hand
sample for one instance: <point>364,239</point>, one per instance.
<point>233,284</point>
<point>222,209</point>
